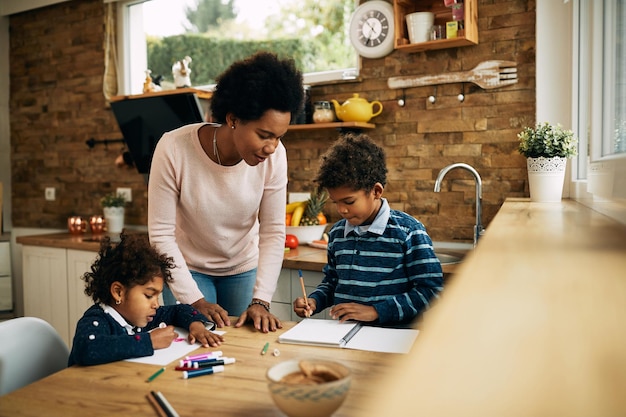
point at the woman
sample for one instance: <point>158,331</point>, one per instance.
<point>217,194</point>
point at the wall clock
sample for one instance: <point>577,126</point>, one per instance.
<point>372,29</point>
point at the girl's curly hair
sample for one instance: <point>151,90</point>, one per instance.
<point>353,161</point>
<point>250,87</point>
<point>132,261</point>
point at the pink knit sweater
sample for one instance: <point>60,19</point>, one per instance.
<point>218,220</point>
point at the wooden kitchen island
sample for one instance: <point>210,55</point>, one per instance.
<point>533,324</point>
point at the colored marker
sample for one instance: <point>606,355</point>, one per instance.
<point>203,371</point>
<point>154,375</point>
<point>164,404</point>
<point>208,355</point>
<point>264,350</point>
<point>188,362</point>
<point>206,364</point>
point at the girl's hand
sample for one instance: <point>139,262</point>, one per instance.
<point>162,337</point>
<point>301,309</point>
<point>199,333</point>
<point>353,311</point>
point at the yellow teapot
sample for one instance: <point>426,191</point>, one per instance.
<point>356,109</point>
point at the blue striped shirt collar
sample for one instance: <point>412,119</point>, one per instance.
<point>378,225</point>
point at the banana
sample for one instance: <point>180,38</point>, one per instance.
<point>297,215</point>
<point>292,206</point>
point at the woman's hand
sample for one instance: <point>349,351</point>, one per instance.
<point>214,312</point>
<point>302,309</point>
<point>199,333</point>
<point>262,319</point>
<point>163,337</point>
<point>353,311</point>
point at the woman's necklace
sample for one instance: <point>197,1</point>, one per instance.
<point>215,152</point>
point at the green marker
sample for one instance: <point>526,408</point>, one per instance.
<point>154,375</point>
<point>264,351</point>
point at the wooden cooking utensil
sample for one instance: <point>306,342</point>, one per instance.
<point>487,75</point>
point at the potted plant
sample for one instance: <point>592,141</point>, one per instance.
<point>113,208</point>
<point>546,148</point>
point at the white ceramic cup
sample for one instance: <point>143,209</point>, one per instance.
<point>419,25</point>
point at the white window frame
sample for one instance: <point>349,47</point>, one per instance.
<point>600,174</point>
<point>131,82</point>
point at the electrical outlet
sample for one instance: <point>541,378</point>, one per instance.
<point>126,192</point>
<point>50,194</point>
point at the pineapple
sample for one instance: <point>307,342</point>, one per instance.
<point>314,206</point>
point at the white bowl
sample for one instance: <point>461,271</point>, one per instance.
<point>306,234</point>
<point>307,400</point>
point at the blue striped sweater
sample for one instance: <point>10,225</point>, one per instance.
<point>396,272</point>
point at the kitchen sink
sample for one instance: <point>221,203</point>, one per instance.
<point>446,258</point>
<point>450,253</point>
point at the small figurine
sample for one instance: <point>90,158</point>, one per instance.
<point>148,85</point>
<point>181,71</point>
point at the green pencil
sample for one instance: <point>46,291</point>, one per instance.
<point>154,375</point>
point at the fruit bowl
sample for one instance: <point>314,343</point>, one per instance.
<point>306,399</point>
<point>306,234</point>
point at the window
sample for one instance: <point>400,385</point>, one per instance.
<point>601,70</point>
<point>600,74</point>
<point>253,19</point>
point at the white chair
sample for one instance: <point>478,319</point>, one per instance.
<point>30,349</point>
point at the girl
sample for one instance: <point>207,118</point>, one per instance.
<point>126,320</point>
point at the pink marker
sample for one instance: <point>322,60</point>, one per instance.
<point>208,355</point>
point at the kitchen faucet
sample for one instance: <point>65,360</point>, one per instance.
<point>478,227</point>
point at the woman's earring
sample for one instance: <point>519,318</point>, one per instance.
<point>232,126</point>
<point>118,301</point>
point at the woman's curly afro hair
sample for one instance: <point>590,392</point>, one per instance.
<point>353,161</point>
<point>132,261</point>
<point>250,87</point>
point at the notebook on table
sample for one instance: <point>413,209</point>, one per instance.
<point>350,335</point>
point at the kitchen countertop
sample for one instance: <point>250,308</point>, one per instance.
<point>531,325</point>
<point>306,258</point>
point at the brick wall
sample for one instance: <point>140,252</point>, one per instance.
<point>57,104</point>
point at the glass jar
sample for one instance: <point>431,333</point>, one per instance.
<point>323,112</point>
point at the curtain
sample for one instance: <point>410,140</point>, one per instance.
<point>109,83</point>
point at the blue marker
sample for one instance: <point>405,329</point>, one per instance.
<point>203,371</point>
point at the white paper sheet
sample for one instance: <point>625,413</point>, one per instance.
<point>382,339</point>
<point>179,348</point>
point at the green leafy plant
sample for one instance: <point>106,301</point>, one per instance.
<point>548,141</point>
<point>113,200</point>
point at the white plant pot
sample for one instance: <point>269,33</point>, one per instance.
<point>545,178</point>
<point>114,217</point>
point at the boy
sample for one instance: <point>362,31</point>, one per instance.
<point>381,268</point>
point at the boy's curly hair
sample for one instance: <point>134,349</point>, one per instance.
<point>250,87</point>
<point>132,261</point>
<point>353,161</point>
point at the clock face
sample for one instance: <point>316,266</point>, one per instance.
<point>372,29</point>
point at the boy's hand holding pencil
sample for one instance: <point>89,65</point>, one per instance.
<point>303,306</point>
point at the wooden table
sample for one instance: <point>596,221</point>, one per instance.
<point>119,388</point>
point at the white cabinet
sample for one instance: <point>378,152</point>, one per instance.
<point>6,289</point>
<point>288,289</point>
<point>78,262</point>
<point>53,289</point>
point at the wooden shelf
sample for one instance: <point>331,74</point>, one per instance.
<point>334,125</point>
<point>443,14</point>
<point>203,94</point>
